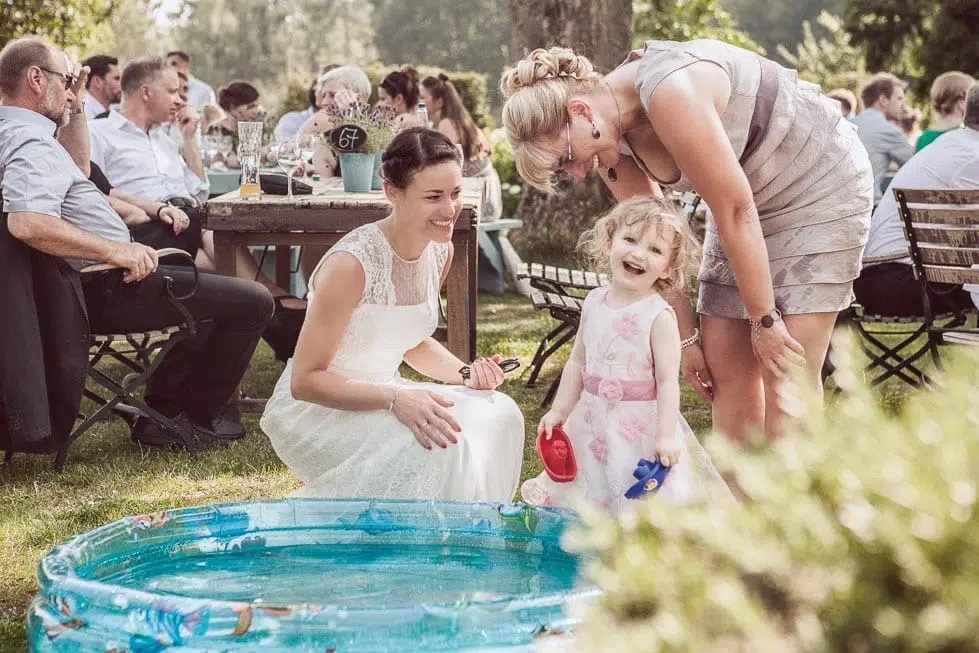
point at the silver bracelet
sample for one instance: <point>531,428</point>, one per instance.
<point>691,340</point>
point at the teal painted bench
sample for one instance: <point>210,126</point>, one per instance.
<point>491,267</point>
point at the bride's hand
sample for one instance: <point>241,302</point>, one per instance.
<point>484,374</point>
<point>425,413</point>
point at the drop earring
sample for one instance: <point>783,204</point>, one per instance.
<point>594,131</point>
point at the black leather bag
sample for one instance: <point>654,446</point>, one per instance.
<point>276,184</point>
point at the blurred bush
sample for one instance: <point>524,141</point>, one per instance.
<point>857,532</point>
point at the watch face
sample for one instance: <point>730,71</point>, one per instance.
<point>767,321</point>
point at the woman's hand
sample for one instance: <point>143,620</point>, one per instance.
<point>484,374</point>
<point>425,414</point>
<point>777,350</point>
<point>693,367</point>
<point>547,423</point>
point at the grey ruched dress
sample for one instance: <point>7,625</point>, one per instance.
<point>810,175</point>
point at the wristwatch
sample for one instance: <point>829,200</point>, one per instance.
<point>74,111</point>
<point>766,321</point>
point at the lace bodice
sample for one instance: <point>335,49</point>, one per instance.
<point>398,308</point>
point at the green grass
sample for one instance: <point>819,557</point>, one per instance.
<point>109,477</point>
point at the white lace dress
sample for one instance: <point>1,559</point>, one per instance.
<point>341,453</point>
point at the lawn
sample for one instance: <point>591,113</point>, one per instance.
<point>109,477</point>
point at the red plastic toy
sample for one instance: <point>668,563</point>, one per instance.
<point>557,456</point>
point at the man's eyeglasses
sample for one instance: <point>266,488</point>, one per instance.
<point>68,77</point>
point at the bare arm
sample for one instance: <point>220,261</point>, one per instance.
<point>148,206</point>
<point>74,136</point>
<point>339,285</point>
<point>54,236</point>
<point>664,339</point>
<point>685,110</point>
<point>130,213</point>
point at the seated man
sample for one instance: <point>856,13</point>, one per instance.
<point>887,286</point>
<point>102,89</point>
<point>53,207</point>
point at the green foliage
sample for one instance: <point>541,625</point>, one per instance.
<point>856,533</point>
<point>919,39</point>
<point>683,20</point>
<point>470,85</point>
<point>451,35</point>
<point>295,96</point>
<point>64,22</point>
<point>506,167</point>
<point>829,60</point>
<point>777,23</point>
<point>131,31</point>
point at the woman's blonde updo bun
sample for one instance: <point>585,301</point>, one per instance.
<point>537,90</point>
<point>544,64</point>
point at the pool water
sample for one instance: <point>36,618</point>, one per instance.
<point>311,575</point>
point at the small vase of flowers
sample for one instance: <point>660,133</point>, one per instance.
<point>360,134</point>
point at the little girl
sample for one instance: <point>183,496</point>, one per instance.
<point>619,398</point>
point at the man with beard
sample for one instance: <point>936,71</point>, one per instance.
<point>102,89</point>
<point>53,207</point>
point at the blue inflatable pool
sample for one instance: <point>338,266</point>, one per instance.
<point>310,575</point>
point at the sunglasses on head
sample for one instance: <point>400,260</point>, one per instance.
<point>68,77</point>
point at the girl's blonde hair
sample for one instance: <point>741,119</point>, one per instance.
<point>538,88</point>
<point>648,212</point>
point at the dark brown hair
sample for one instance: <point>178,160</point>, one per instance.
<point>17,57</point>
<point>442,88</point>
<point>880,84</point>
<point>236,94</point>
<point>98,66</point>
<point>402,82</point>
<point>414,150</point>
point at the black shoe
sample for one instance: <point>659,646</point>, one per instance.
<point>282,332</point>
<point>192,436</point>
<point>225,429</point>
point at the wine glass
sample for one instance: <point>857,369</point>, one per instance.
<point>225,146</point>
<point>288,155</point>
<point>211,149</point>
<point>307,144</point>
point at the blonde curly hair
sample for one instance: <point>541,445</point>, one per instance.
<point>537,89</point>
<point>644,211</point>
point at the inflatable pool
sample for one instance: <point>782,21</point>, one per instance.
<point>311,575</point>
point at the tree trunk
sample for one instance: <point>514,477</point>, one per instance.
<point>602,31</point>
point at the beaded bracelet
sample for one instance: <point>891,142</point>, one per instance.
<point>691,340</point>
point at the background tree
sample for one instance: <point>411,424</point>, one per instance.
<point>131,31</point>
<point>919,39</point>
<point>826,55</point>
<point>602,31</point>
<point>471,36</point>
<point>683,20</point>
<point>772,24</point>
<point>65,22</point>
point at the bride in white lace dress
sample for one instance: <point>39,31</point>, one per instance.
<point>340,416</point>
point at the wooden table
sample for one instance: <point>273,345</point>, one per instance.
<point>324,217</point>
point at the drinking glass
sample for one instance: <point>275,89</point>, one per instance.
<point>211,149</point>
<point>288,155</point>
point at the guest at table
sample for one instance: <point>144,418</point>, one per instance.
<point>199,93</point>
<point>341,416</point>
<point>240,102</point>
<point>290,123</point>
<point>102,90</point>
<point>947,105</point>
<point>400,91</point>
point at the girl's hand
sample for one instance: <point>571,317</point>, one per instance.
<point>777,350</point>
<point>484,374</point>
<point>693,367</point>
<point>425,414</point>
<point>667,449</point>
<point>548,422</point>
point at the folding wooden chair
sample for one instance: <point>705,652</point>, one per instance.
<point>139,354</point>
<point>567,311</point>
<point>942,228</point>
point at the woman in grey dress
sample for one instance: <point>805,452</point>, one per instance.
<point>788,185</point>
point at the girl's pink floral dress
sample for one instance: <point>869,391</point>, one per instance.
<point>613,424</point>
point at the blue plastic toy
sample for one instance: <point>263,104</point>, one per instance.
<point>650,478</point>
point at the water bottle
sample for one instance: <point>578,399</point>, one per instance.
<point>422,112</point>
